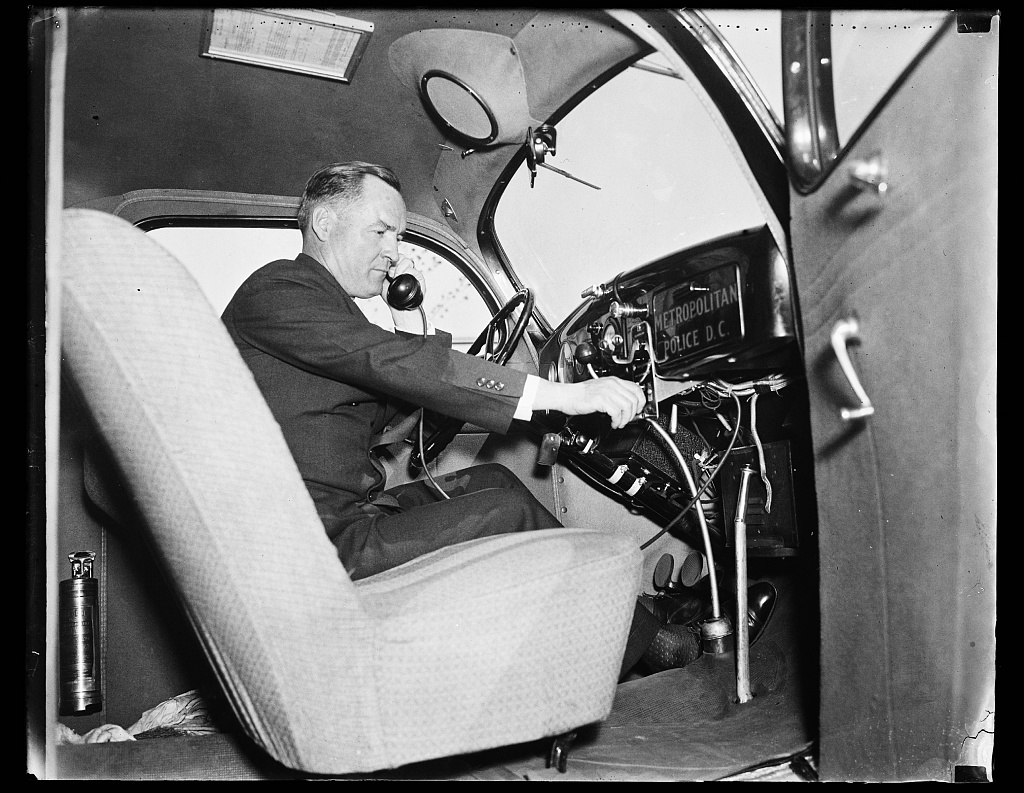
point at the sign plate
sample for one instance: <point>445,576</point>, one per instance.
<point>703,314</point>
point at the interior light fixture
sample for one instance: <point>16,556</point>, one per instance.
<point>317,43</point>
<point>459,109</point>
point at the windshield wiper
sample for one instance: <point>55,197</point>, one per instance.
<point>566,173</point>
<point>539,144</point>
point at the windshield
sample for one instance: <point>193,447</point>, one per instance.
<point>667,178</point>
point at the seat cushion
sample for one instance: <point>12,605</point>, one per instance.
<point>502,639</point>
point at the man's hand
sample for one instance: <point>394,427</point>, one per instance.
<point>621,400</point>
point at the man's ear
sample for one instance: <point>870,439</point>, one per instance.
<point>320,221</point>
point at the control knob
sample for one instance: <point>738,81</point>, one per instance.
<point>619,310</point>
<point>586,354</point>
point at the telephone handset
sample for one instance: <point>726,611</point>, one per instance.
<point>404,292</point>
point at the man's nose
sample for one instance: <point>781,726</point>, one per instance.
<point>390,251</point>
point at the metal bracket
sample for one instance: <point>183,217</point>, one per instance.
<point>871,174</point>
<point>447,211</point>
<point>558,756</point>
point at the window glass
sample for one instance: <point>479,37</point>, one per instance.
<point>451,302</point>
<point>667,181</point>
<point>870,50</point>
<point>221,258</point>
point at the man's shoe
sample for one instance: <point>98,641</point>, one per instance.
<point>673,647</point>
<point>688,607</point>
<point>676,608</point>
<point>761,599</point>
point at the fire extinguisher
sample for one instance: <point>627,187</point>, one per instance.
<point>80,638</point>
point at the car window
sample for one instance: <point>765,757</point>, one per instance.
<point>667,181</point>
<point>870,50</point>
<point>220,258</point>
<point>838,67</point>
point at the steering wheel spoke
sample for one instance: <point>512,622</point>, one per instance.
<point>494,332</point>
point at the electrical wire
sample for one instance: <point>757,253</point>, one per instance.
<point>753,389</point>
<point>725,455</point>
<point>423,457</point>
<point>709,498</point>
<point>423,413</point>
<point>773,382</point>
<point>760,454</point>
<point>716,607</point>
<point>615,288</point>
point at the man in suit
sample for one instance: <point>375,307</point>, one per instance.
<point>334,380</point>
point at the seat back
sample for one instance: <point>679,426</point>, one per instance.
<point>229,516</point>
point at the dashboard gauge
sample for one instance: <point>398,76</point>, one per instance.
<point>611,338</point>
<point>566,362</point>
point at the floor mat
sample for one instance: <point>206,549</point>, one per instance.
<point>679,725</point>
<point>683,724</point>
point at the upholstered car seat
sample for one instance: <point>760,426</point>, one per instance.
<point>492,642</point>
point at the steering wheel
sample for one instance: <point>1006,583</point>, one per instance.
<point>497,346</point>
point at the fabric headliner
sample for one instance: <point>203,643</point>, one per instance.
<point>486,62</point>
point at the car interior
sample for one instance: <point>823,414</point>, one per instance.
<point>808,306</point>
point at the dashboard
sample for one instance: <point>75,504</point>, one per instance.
<point>724,307</point>
<point>706,332</point>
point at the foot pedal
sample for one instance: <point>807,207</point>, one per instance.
<point>692,568</point>
<point>663,572</point>
<point>690,572</point>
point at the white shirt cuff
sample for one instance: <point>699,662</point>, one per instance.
<point>524,410</point>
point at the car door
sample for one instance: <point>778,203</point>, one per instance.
<point>893,242</point>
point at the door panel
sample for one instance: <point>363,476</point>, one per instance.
<point>906,496</point>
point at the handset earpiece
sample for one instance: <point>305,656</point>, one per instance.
<point>404,292</point>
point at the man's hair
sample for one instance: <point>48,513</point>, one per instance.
<point>340,183</point>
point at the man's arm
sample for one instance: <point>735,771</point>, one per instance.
<point>303,320</point>
<point>621,400</point>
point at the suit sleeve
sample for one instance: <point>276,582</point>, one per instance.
<point>299,322</point>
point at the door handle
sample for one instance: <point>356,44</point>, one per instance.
<point>843,332</point>
<point>870,174</point>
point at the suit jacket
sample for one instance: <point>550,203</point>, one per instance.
<point>331,378</point>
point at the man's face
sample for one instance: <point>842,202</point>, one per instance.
<point>360,243</point>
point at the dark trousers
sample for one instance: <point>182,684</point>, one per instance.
<point>483,501</point>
